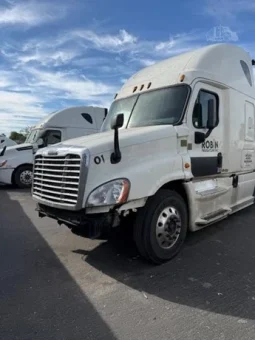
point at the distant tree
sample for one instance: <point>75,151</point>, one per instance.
<point>26,130</point>
<point>17,137</point>
<point>20,137</point>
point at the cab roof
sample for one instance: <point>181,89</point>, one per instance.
<point>73,116</point>
<point>224,63</point>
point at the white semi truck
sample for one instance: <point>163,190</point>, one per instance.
<point>16,162</point>
<point>176,152</point>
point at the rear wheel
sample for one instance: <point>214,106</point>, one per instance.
<point>161,226</point>
<point>23,176</point>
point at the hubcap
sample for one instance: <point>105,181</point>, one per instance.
<point>168,228</point>
<point>26,177</point>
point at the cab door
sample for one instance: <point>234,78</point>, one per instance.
<point>248,140</point>
<point>205,122</point>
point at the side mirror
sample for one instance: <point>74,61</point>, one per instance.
<point>199,137</point>
<point>211,115</point>
<point>117,121</point>
<point>40,142</point>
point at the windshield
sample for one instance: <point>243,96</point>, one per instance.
<point>32,136</point>
<point>158,107</point>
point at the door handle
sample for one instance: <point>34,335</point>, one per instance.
<point>219,162</point>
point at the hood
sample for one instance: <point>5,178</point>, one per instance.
<point>4,141</point>
<point>103,141</point>
<point>18,148</point>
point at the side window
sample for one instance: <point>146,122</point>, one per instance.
<point>87,117</point>
<point>249,122</point>
<point>201,109</point>
<point>52,137</point>
<point>246,71</point>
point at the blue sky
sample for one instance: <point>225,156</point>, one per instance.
<point>56,54</point>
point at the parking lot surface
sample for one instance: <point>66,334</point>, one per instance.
<point>58,285</point>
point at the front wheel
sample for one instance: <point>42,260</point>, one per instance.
<point>23,176</point>
<point>161,226</point>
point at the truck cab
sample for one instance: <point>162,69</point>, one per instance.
<point>16,161</point>
<point>175,153</point>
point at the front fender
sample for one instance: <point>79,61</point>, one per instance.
<point>148,166</point>
<point>17,158</point>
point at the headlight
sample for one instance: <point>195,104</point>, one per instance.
<point>110,193</point>
<point>2,163</point>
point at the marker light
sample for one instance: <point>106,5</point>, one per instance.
<point>182,77</point>
<point>2,163</point>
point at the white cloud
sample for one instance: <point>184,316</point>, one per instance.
<point>108,42</point>
<point>76,47</point>
<point>166,45</point>
<point>18,110</point>
<point>46,52</point>
<point>146,62</point>
<point>221,34</point>
<point>23,103</point>
<point>179,43</point>
<point>90,62</point>
<point>145,52</point>
<point>38,89</point>
<point>226,11</point>
<point>9,79</point>
<point>48,58</point>
<point>34,83</point>
<point>5,82</point>
<point>69,86</point>
<point>31,13</point>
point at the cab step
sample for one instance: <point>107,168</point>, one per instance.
<point>211,193</point>
<point>213,217</point>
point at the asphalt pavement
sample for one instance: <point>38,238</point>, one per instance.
<point>58,285</point>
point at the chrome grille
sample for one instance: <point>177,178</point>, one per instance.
<point>56,179</point>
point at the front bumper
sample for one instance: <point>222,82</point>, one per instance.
<point>6,175</point>
<point>92,225</point>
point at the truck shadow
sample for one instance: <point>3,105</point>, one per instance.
<point>214,272</point>
<point>39,298</point>
<point>13,188</point>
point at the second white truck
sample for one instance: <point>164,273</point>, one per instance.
<point>16,161</point>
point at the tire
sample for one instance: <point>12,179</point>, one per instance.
<point>161,226</point>
<point>23,176</point>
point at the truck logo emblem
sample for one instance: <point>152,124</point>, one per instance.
<point>52,153</point>
<point>210,145</point>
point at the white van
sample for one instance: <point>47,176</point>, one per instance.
<point>16,161</point>
<point>176,152</point>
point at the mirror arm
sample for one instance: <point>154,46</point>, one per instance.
<point>116,155</point>
<point>208,133</point>
<point>198,136</point>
